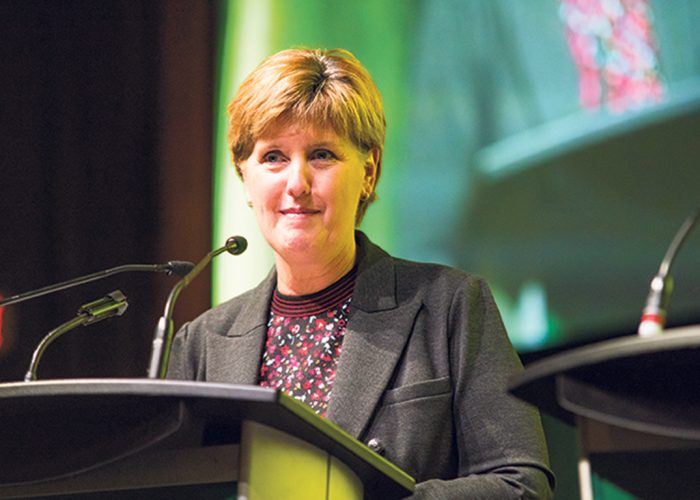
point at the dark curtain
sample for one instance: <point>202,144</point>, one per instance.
<point>105,138</point>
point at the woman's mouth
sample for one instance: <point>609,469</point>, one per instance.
<point>299,211</point>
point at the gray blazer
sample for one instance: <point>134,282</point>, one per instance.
<point>423,371</point>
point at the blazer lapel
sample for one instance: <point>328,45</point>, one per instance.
<point>371,349</point>
<point>235,358</point>
<point>376,334</point>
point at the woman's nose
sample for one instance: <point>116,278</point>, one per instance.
<point>299,178</point>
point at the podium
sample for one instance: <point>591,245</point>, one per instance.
<point>143,438</point>
<point>636,405</point>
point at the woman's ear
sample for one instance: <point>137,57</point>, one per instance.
<point>371,169</point>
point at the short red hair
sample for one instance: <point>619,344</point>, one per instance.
<point>327,88</point>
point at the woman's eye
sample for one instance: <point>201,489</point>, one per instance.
<point>272,157</point>
<point>323,155</point>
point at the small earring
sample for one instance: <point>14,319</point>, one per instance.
<point>249,203</point>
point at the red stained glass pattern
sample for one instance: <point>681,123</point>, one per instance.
<point>612,44</point>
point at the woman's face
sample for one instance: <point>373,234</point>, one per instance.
<point>304,183</point>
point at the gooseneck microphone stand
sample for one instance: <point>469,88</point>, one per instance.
<point>176,267</point>
<point>163,337</point>
<point>113,304</point>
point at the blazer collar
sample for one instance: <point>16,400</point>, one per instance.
<point>235,357</point>
<point>377,331</point>
<point>255,308</point>
<point>375,288</point>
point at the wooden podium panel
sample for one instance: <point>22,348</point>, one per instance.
<point>171,439</point>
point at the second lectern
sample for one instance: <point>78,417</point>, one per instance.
<point>636,404</point>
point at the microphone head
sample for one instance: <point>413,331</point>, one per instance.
<point>179,267</point>
<point>236,245</point>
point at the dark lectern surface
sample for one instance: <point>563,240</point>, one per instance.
<point>52,429</point>
<point>644,384</point>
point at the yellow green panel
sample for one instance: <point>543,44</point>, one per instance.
<point>343,484</point>
<point>276,465</point>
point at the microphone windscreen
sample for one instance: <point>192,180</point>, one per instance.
<point>180,267</point>
<point>236,245</point>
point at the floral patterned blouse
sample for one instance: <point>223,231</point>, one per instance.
<point>304,341</point>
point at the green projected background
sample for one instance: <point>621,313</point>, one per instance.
<point>499,159</point>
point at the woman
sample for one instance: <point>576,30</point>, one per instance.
<point>410,358</point>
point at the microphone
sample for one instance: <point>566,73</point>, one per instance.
<point>173,267</point>
<point>113,304</point>
<point>163,337</point>
<point>654,313</point>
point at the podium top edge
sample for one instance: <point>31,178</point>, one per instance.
<point>136,386</point>
<point>604,351</point>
